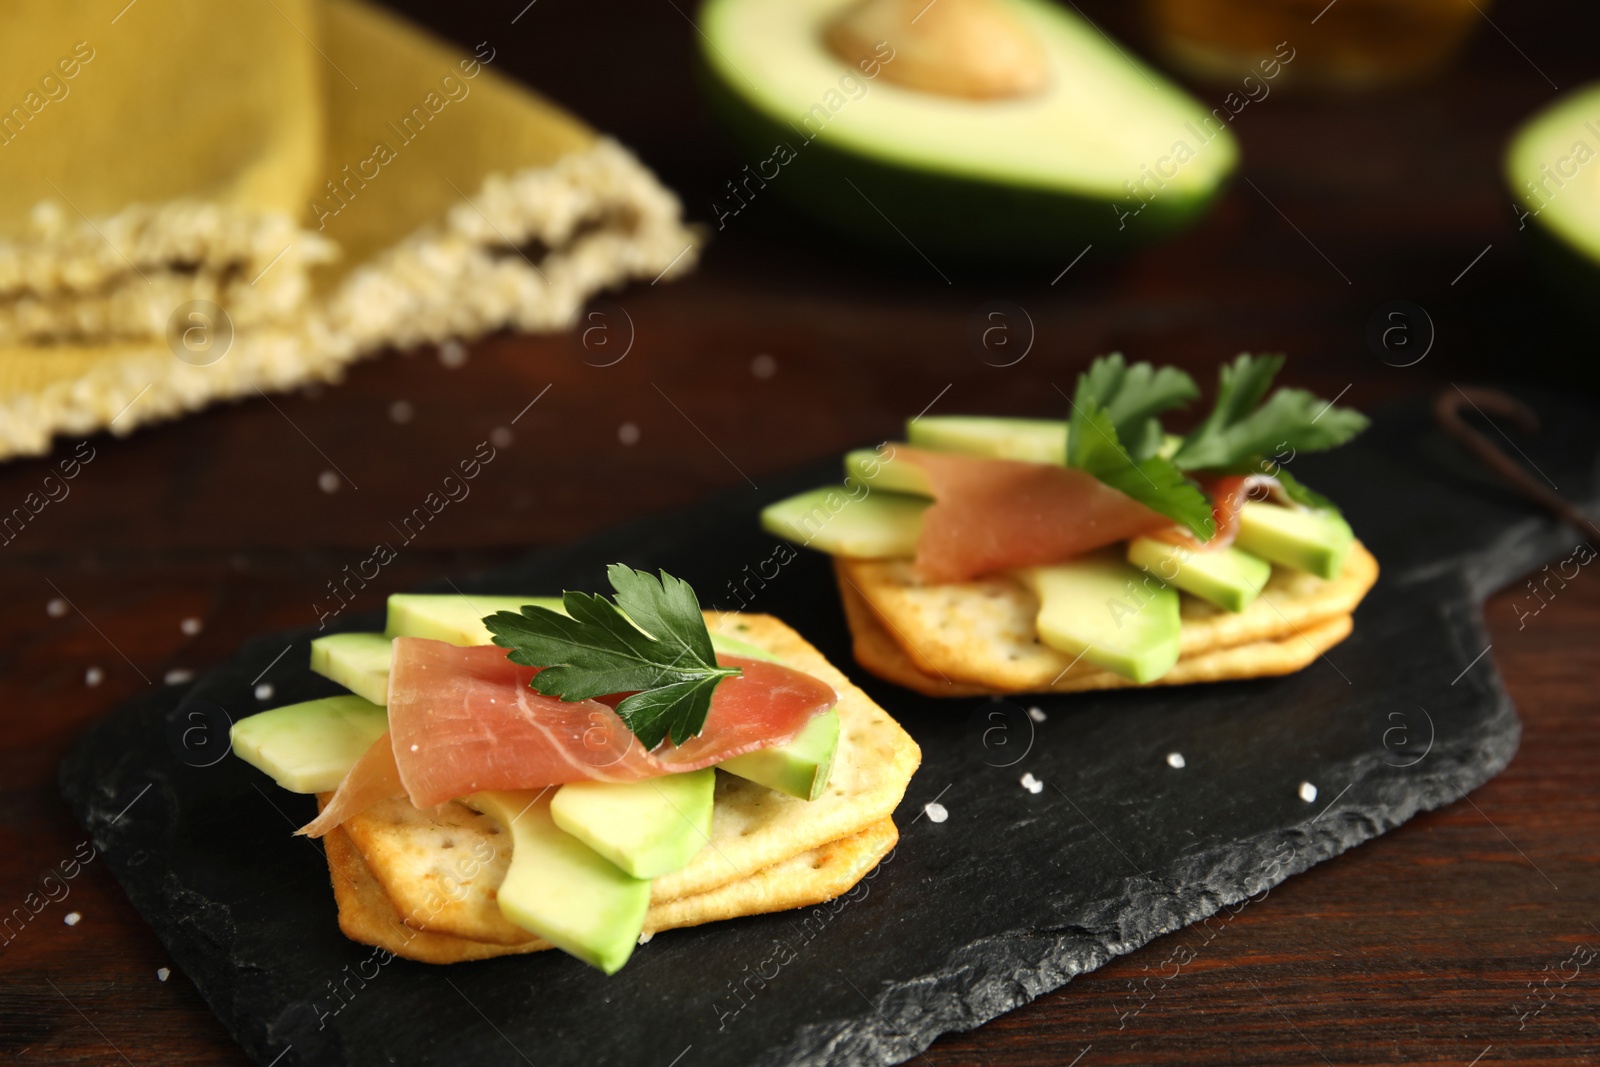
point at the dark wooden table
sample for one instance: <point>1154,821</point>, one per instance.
<point>1434,943</point>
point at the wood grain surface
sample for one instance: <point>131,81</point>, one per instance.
<point>1454,939</point>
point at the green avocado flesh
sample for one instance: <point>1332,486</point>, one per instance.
<point>453,617</point>
<point>1029,440</point>
<point>1228,577</point>
<point>1114,616</point>
<point>844,523</point>
<point>309,747</point>
<point>561,889</point>
<point>866,466</point>
<point>1313,541</point>
<point>359,662</point>
<point>799,768</point>
<point>1109,152</point>
<point>648,828</point>
<point>1553,168</point>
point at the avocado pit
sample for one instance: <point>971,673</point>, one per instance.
<point>975,49</point>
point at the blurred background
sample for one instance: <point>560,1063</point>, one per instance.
<point>1370,182</point>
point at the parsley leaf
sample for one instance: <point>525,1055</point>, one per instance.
<point>1241,427</point>
<point>1093,445</point>
<point>1133,396</point>
<point>666,661</point>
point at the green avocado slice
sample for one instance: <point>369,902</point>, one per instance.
<point>309,747</point>
<point>1230,578</point>
<point>1110,153</point>
<point>885,473</point>
<point>648,828</point>
<point>453,617</point>
<point>873,526</point>
<point>1114,616</point>
<point>561,889</point>
<point>1029,440</point>
<point>357,661</point>
<point>1306,540</point>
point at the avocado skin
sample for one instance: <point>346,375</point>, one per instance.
<point>979,222</point>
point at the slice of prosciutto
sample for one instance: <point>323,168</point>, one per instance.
<point>1228,494</point>
<point>465,719</point>
<point>994,514</point>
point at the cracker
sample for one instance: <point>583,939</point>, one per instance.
<point>442,868</point>
<point>880,653</point>
<point>366,913</point>
<point>981,634</point>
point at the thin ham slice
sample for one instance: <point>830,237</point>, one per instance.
<point>1228,494</point>
<point>374,778</point>
<point>464,719</point>
<point>994,514</point>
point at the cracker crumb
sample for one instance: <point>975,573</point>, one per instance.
<point>644,938</point>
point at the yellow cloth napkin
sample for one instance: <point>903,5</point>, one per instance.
<point>199,200</point>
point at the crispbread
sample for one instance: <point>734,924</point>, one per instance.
<point>974,637</point>
<point>366,913</point>
<point>440,869</point>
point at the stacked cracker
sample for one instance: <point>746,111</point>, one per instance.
<point>423,884</point>
<point>977,637</point>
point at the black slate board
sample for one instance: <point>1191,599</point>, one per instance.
<point>1011,896</point>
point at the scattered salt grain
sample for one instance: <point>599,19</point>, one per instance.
<point>501,437</point>
<point>935,811</point>
<point>413,748</point>
<point>179,676</point>
<point>628,433</point>
<point>401,411</point>
<point>56,608</point>
<point>453,354</point>
<point>1031,784</point>
<point>93,676</point>
<point>763,366</point>
<point>264,691</point>
<point>1036,714</point>
<point>163,973</point>
<point>190,626</point>
<point>71,918</point>
<point>1308,792</point>
<point>1175,759</point>
<point>328,482</point>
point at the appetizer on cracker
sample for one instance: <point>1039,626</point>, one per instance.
<point>997,555</point>
<point>512,774</point>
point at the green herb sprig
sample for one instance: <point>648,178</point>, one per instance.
<point>652,642</point>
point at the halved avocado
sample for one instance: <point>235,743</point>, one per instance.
<point>1106,151</point>
<point>1553,168</point>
